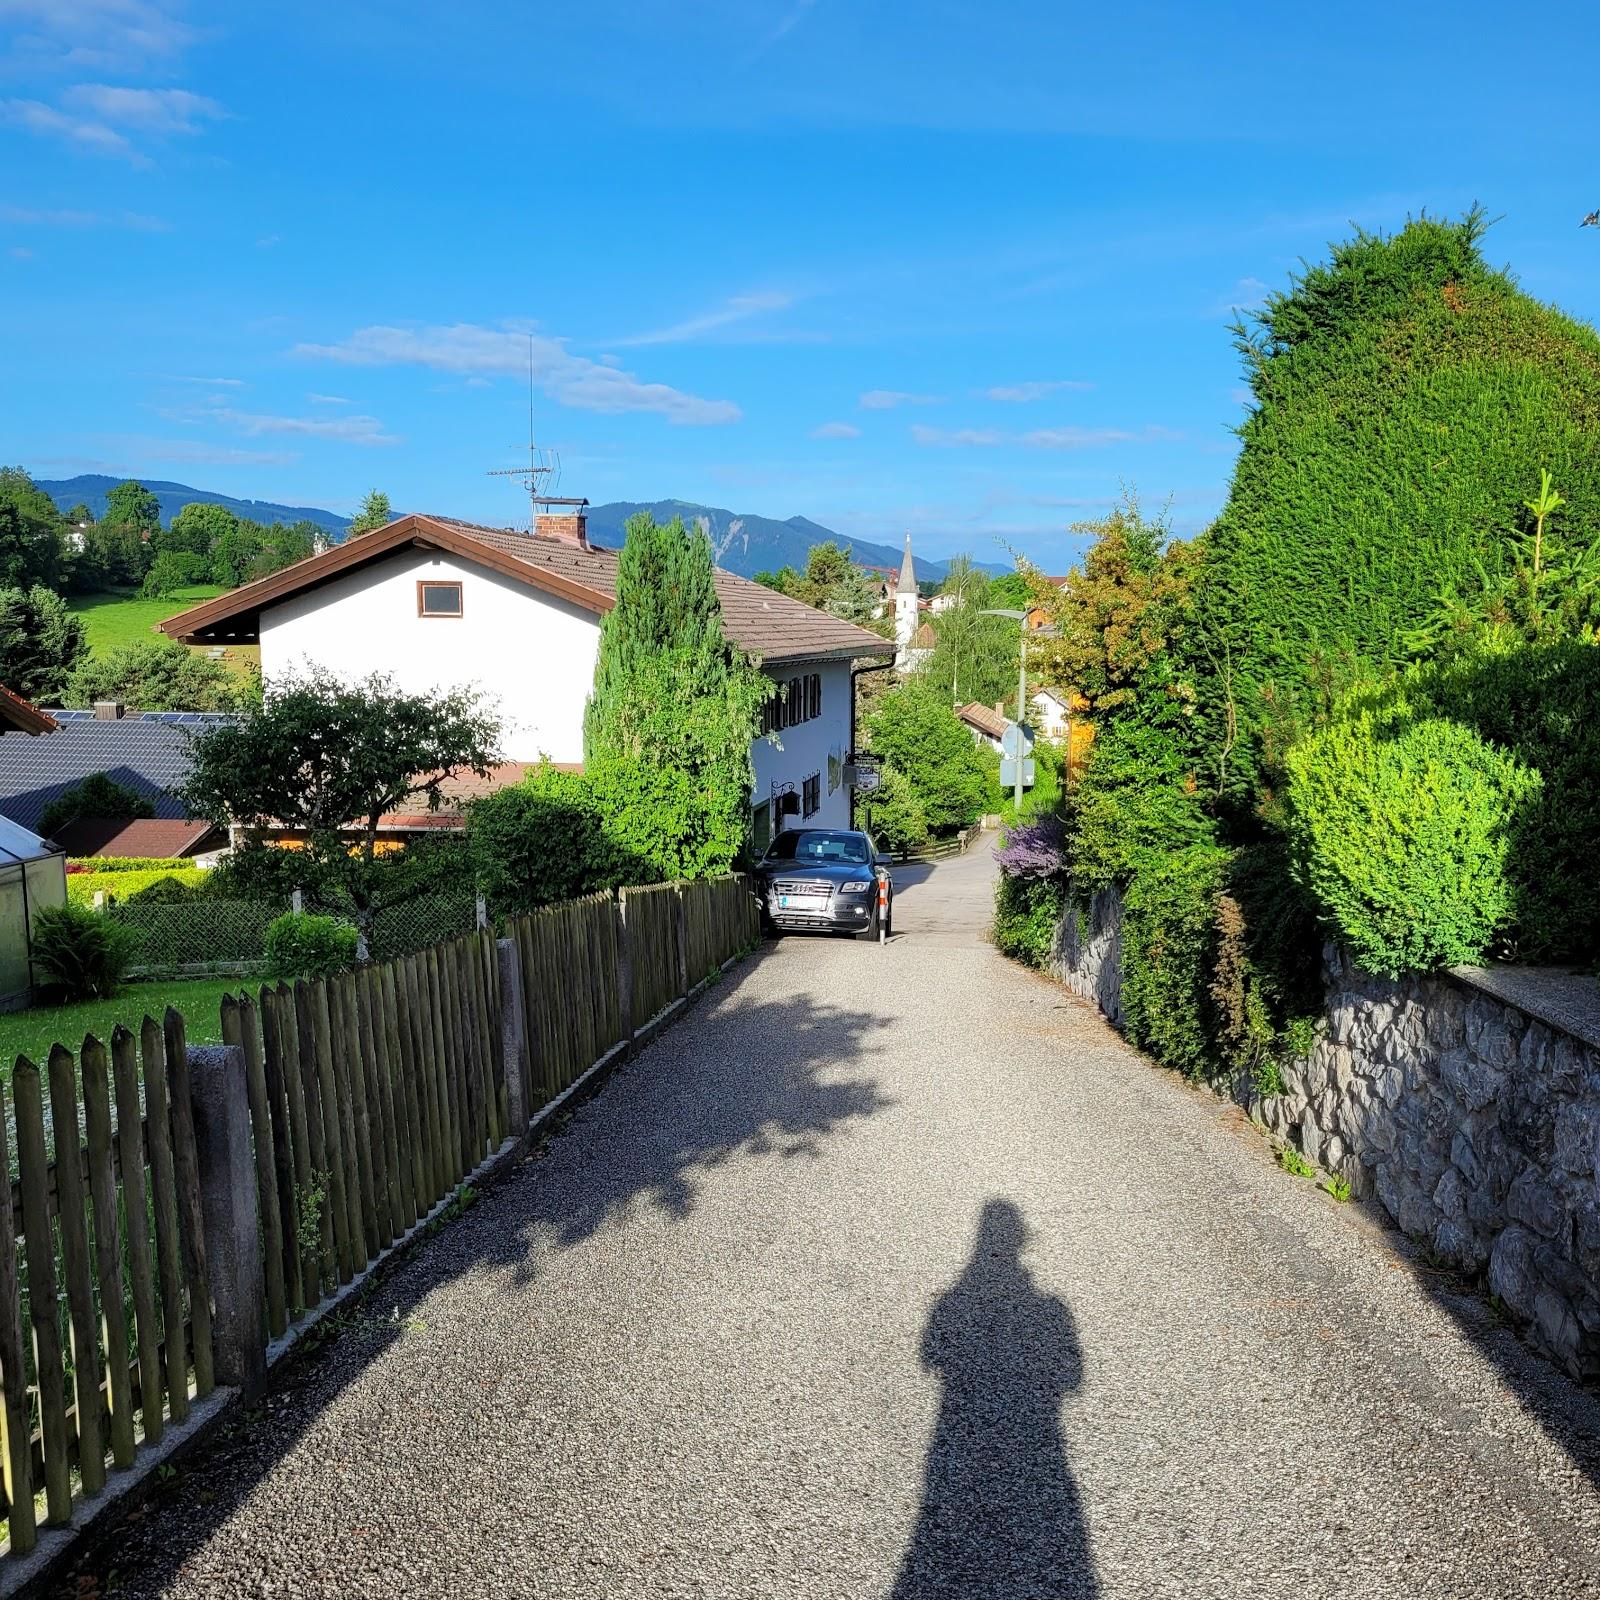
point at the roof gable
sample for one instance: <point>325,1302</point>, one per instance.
<point>769,625</point>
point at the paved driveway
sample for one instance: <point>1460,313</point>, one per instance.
<point>893,1272</point>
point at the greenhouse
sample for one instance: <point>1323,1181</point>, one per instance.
<point>33,873</point>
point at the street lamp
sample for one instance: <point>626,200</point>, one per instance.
<point>1021,619</point>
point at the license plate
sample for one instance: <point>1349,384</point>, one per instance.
<point>802,902</point>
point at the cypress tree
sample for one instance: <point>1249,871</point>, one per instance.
<point>668,727</point>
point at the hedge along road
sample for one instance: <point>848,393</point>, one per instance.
<point>893,1272</point>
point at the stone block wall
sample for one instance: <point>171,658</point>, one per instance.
<point>1468,1102</point>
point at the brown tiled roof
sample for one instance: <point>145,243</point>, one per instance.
<point>760,620</point>
<point>984,718</point>
<point>141,836</point>
<point>924,638</point>
<point>19,716</point>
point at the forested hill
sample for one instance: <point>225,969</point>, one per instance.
<point>91,489</point>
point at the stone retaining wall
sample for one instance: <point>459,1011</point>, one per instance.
<point>1468,1102</point>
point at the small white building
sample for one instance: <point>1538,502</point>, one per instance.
<point>1052,714</point>
<point>913,638</point>
<point>436,603</point>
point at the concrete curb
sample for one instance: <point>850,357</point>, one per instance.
<point>28,1576</point>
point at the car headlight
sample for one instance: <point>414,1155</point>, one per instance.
<point>856,888</point>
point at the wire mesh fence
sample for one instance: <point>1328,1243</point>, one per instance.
<point>414,924</point>
<point>197,935</point>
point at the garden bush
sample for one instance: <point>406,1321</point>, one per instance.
<point>1027,912</point>
<point>542,841</point>
<point>1400,827</point>
<point>1169,940</point>
<point>915,730</point>
<point>303,945</point>
<point>79,955</point>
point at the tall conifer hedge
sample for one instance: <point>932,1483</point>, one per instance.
<point>1406,396</point>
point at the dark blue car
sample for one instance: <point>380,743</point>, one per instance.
<point>825,880</point>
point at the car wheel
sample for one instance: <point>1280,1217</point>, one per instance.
<point>870,932</point>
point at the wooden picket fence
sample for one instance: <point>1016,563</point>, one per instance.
<point>370,1096</point>
<point>102,1258</point>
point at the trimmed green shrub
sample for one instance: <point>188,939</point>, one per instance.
<point>542,841</point>
<point>1400,829</point>
<point>301,945</point>
<point>130,863</point>
<point>1169,938</point>
<point>78,955</point>
<point>181,882</point>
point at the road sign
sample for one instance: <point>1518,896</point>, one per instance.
<point>1017,740</point>
<point>1008,772</point>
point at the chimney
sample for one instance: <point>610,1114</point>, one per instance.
<point>107,710</point>
<point>1000,707</point>
<point>566,526</point>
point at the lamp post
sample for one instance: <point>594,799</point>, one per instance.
<point>1021,619</point>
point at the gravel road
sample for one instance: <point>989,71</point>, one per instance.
<point>894,1272</point>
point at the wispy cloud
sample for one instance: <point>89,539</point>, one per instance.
<point>327,400</point>
<point>85,133</point>
<point>1026,393</point>
<point>162,112</point>
<point>889,399</point>
<point>269,241</point>
<point>470,350</point>
<point>1038,438</point>
<point>127,35</point>
<point>133,451</point>
<point>739,310</point>
<point>23,217</point>
<point>956,438</point>
<point>360,430</point>
<point>210,383</point>
<point>836,430</point>
<point>791,18</point>
<point>20,252</point>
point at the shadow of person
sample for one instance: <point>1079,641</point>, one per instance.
<point>1000,1517</point>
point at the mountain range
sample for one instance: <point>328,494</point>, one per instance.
<point>91,489</point>
<point>740,541</point>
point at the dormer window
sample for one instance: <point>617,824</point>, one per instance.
<point>438,599</point>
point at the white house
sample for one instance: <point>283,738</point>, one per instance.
<point>437,603</point>
<point>1052,713</point>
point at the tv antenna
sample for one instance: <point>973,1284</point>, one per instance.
<point>535,469</point>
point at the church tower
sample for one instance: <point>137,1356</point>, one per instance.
<point>905,611</point>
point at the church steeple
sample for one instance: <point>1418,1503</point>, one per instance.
<point>905,610</point>
<point>908,573</point>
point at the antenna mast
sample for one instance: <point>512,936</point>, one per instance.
<point>534,471</point>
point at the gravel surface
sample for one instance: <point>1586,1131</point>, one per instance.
<point>894,1272</point>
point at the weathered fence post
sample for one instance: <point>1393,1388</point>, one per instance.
<point>624,971</point>
<point>480,912</point>
<point>513,1030</point>
<point>297,902</point>
<point>220,1100</point>
<point>680,937</point>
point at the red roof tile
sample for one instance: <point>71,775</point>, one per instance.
<point>155,837</point>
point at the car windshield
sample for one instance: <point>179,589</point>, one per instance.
<point>814,844</point>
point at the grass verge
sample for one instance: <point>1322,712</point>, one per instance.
<point>31,1033</point>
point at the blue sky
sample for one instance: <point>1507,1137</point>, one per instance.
<point>957,268</point>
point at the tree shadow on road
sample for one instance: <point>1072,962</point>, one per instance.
<point>1000,1514</point>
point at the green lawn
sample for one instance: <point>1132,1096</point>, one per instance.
<point>31,1033</point>
<point>113,619</point>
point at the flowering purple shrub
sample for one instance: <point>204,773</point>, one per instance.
<point>1035,849</point>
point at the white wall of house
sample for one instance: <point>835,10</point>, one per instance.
<point>1049,716</point>
<point>532,651</point>
<point>818,747</point>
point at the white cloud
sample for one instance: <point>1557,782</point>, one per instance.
<point>327,400</point>
<point>25,218</point>
<point>84,132</point>
<point>156,111</point>
<point>124,34</point>
<point>836,430</point>
<point>268,240</point>
<point>470,350</point>
<point>1025,393</point>
<point>20,252</point>
<point>128,451</point>
<point>955,438</point>
<point>1038,438</point>
<point>210,383</point>
<point>741,308</point>
<point>888,399</point>
<point>1248,294</point>
<point>360,430</point>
